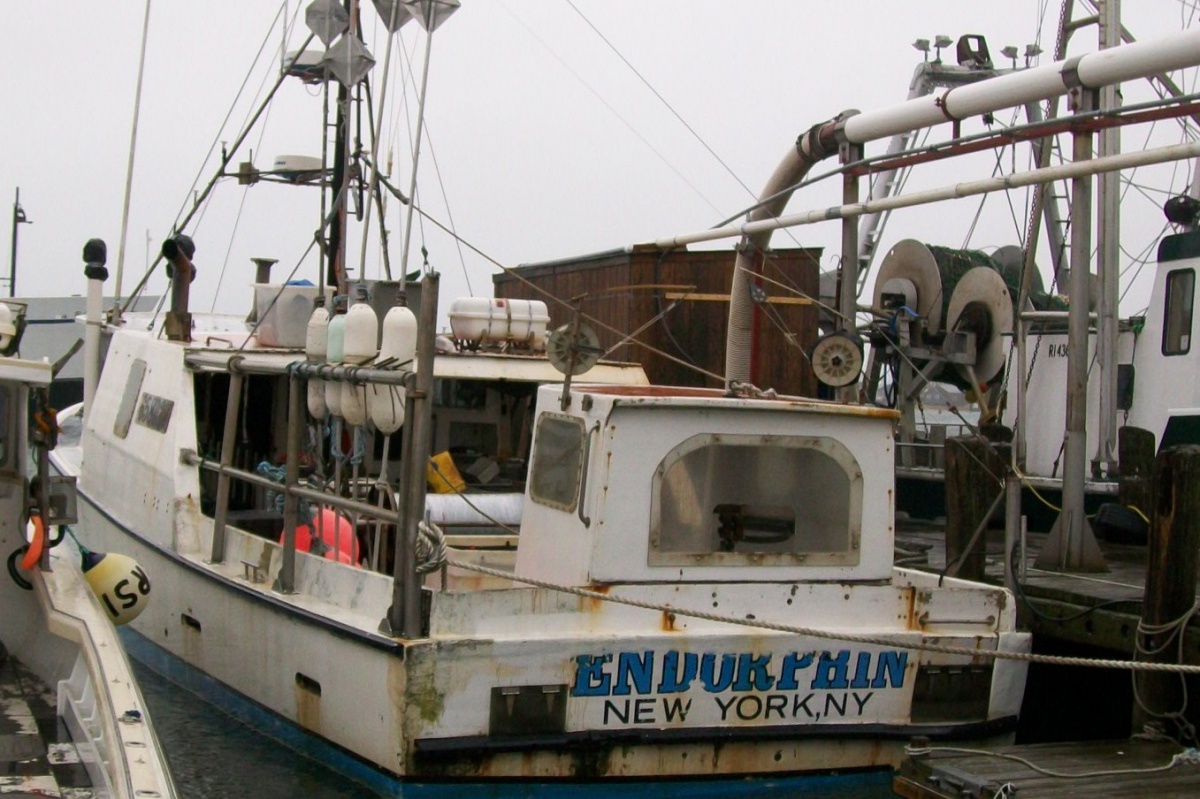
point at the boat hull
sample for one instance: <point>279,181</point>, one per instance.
<point>299,677</point>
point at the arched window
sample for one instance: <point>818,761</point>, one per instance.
<point>769,500</point>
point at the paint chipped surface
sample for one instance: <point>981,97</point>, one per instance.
<point>34,761</point>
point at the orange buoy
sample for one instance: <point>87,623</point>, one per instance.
<point>333,535</point>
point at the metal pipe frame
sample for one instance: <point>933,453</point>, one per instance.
<point>228,437</point>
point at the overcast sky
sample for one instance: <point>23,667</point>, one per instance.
<point>541,143</point>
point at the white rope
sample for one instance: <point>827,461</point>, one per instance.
<point>875,640</point>
<point>1188,756</point>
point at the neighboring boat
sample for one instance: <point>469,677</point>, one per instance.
<point>53,332</point>
<point>981,319</point>
<point>72,721</point>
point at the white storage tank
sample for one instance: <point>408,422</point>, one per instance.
<point>480,320</point>
<point>283,312</point>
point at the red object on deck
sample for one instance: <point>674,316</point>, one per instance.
<point>334,531</point>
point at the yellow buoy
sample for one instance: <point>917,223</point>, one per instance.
<point>119,582</point>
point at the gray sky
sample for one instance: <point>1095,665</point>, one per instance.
<point>546,143</point>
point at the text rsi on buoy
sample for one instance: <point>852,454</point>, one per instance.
<point>120,583</point>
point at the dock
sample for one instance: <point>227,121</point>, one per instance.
<point>1093,610</point>
<point>1112,769</point>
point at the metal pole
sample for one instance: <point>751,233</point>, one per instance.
<point>95,256</point>
<point>403,557</point>
<point>420,430</point>
<point>286,583</point>
<point>1104,460</point>
<point>137,105</point>
<point>228,436</point>
<point>1012,528</point>
<point>1071,545</point>
<point>18,218</point>
<point>848,285</point>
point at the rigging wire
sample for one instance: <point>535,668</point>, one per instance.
<point>221,128</point>
<point>662,99</point>
<point>695,189</point>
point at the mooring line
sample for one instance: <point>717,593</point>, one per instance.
<point>875,640</point>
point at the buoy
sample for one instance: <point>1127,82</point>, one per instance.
<point>334,536</point>
<point>399,345</point>
<point>334,342</point>
<point>37,544</point>
<point>359,347</point>
<point>315,341</point>
<point>119,582</point>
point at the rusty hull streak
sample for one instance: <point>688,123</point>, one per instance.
<point>591,605</point>
<point>911,597</point>
<point>668,622</point>
<point>308,709</point>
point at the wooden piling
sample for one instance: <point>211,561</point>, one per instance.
<point>1135,455</point>
<point>1174,550</point>
<point>974,478</point>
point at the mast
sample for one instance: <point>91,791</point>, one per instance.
<point>18,217</point>
<point>1104,462</point>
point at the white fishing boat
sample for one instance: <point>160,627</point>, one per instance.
<point>72,720</point>
<point>749,511</point>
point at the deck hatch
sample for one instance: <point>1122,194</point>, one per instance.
<point>520,710</point>
<point>951,693</point>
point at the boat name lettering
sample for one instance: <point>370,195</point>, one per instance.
<point>1057,350</point>
<point>648,673</point>
<point>809,707</point>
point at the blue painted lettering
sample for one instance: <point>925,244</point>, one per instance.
<point>792,663</point>
<point>635,668</point>
<point>590,677</point>
<point>831,671</point>
<point>862,671</point>
<point>674,680</point>
<point>890,668</point>
<point>716,684</point>
<point>753,673</point>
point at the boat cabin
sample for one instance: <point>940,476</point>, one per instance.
<point>631,484</point>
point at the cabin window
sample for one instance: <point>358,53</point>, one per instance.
<point>133,387</point>
<point>1177,330</point>
<point>557,461</point>
<point>769,500</point>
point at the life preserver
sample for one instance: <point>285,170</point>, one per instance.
<point>37,546</point>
